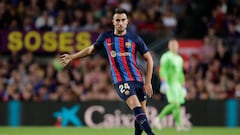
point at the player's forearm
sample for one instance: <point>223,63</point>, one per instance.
<point>163,68</point>
<point>83,53</point>
<point>162,73</point>
<point>149,69</point>
<point>149,74</point>
<point>182,79</point>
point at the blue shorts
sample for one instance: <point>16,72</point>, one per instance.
<point>127,89</point>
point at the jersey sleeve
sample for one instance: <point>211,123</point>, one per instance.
<point>98,44</point>
<point>163,67</point>
<point>142,47</point>
<point>181,75</point>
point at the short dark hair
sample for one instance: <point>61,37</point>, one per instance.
<point>120,11</point>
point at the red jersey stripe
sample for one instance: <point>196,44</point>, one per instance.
<point>109,45</point>
<point>135,61</point>
<point>124,59</point>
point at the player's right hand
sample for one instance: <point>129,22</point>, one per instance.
<point>65,59</point>
<point>148,89</point>
<point>164,87</point>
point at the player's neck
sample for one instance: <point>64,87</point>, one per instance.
<point>173,51</point>
<point>120,33</point>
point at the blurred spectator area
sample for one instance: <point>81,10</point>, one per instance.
<point>159,18</point>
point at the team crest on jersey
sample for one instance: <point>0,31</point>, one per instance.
<point>113,53</point>
<point>127,92</point>
<point>127,44</point>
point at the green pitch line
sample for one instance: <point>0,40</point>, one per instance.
<point>113,131</point>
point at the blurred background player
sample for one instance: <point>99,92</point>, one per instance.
<point>172,83</point>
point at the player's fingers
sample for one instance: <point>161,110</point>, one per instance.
<point>62,63</point>
<point>149,93</point>
<point>61,60</point>
<point>63,56</point>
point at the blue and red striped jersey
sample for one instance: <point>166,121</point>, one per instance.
<point>122,52</point>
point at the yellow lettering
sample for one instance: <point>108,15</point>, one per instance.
<point>83,40</point>
<point>32,41</point>
<point>66,42</point>
<point>15,41</point>
<point>49,42</point>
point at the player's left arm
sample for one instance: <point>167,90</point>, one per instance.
<point>148,85</point>
<point>144,51</point>
<point>182,76</point>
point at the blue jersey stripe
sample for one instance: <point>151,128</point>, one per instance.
<point>118,60</point>
<point>131,62</point>
<point>114,77</point>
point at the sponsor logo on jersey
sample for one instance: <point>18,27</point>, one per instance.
<point>114,54</point>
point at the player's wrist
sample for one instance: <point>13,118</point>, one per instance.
<point>163,81</point>
<point>164,86</point>
<point>148,82</point>
<point>71,57</point>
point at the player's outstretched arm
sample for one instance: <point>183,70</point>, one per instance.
<point>66,58</point>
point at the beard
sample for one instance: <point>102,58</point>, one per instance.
<point>121,29</point>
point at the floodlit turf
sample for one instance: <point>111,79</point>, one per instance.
<point>113,131</point>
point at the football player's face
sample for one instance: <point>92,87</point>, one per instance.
<point>173,46</point>
<point>120,22</point>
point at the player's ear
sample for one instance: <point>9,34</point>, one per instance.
<point>113,20</point>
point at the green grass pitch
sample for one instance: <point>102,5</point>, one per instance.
<point>113,131</point>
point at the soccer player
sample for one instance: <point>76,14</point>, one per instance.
<point>172,82</point>
<point>121,47</point>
